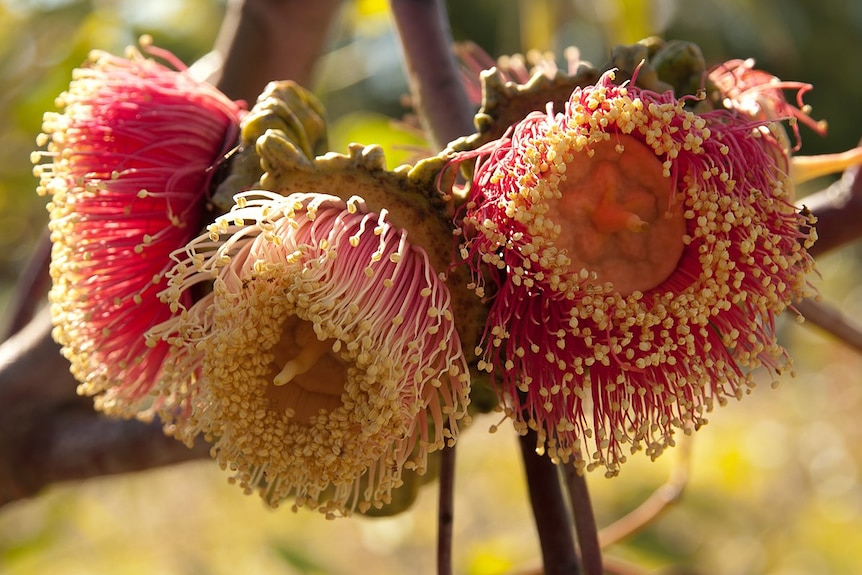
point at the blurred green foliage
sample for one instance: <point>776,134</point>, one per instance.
<point>775,479</point>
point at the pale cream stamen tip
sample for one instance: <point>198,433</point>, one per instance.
<point>635,224</point>
<point>304,361</point>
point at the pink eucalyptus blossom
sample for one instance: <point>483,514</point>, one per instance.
<point>130,158</point>
<point>325,361</point>
<point>636,255</point>
<point>760,96</point>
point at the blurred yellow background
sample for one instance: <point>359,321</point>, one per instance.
<point>774,479</point>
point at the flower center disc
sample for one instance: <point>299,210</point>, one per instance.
<point>307,376</point>
<point>619,219</point>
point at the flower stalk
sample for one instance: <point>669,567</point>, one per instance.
<point>436,87</point>
<point>585,520</point>
<point>446,510</point>
<point>552,519</point>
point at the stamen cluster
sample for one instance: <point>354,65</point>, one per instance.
<point>309,283</point>
<point>129,160</point>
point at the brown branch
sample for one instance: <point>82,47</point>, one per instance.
<point>585,521</point>
<point>839,210</point>
<point>71,442</point>
<point>48,434</point>
<point>435,82</point>
<point>265,40</point>
<point>832,321</point>
<point>549,510</point>
<point>32,371</point>
<point>662,498</point>
<point>31,287</point>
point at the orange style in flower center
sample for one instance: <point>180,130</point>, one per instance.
<point>620,221</point>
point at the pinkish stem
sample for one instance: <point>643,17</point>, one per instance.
<point>549,510</point>
<point>438,93</point>
<point>265,40</point>
<point>446,114</point>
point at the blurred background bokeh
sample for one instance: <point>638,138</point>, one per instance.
<point>774,483</point>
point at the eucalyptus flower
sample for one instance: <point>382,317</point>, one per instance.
<point>129,160</point>
<point>636,254</point>
<point>325,361</point>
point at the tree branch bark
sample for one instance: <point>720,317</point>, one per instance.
<point>549,509</point>
<point>838,209</point>
<point>437,91</point>
<point>265,40</point>
<point>49,434</point>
